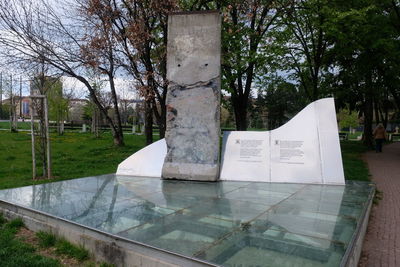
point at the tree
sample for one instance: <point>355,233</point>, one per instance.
<point>58,103</point>
<point>244,32</point>
<point>140,27</point>
<point>37,34</point>
<point>348,119</point>
<point>10,109</point>
<point>280,101</point>
<point>144,27</point>
<point>393,7</point>
<point>40,86</point>
<point>365,44</point>
<point>390,71</point>
<point>99,50</point>
<point>301,44</point>
<point>91,111</point>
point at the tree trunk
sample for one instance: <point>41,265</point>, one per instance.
<point>240,109</point>
<point>160,117</point>
<point>118,141</point>
<point>95,122</point>
<point>119,135</point>
<point>148,114</point>
<point>162,125</point>
<point>368,113</point>
<point>60,127</point>
<point>396,97</point>
<point>386,116</point>
<point>376,110</point>
<point>115,131</point>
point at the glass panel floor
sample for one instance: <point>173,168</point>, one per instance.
<point>224,223</point>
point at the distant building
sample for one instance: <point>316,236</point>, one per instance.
<point>22,106</point>
<point>76,109</point>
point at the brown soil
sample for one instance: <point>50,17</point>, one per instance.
<point>29,237</point>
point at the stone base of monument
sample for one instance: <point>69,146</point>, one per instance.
<point>190,171</point>
<point>139,221</point>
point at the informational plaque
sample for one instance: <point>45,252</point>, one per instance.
<point>295,149</point>
<point>246,155</point>
<point>304,150</point>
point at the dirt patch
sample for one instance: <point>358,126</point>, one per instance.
<point>68,261</point>
<point>29,237</point>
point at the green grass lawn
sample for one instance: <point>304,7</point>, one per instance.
<point>20,247</point>
<point>354,167</point>
<point>20,125</point>
<point>14,252</point>
<point>74,155</point>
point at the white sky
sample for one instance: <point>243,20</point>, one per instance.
<point>123,86</point>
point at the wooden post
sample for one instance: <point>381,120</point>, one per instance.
<point>13,110</point>
<point>33,141</point>
<point>46,115</point>
<point>1,91</point>
<point>20,97</point>
<point>11,106</point>
<point>44,137</point>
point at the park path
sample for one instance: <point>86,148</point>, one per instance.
<point>382,241</point>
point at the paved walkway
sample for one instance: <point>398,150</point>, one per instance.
<point>382,241</point>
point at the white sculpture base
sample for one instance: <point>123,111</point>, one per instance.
<point>146,162</point>
<point>304,150</point>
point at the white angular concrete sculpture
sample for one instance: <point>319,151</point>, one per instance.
<point>146,162</point>
<point>193,98</point>
<point>304,150</point>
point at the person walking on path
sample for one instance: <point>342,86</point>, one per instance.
<point>379,136</point>
<point>382,242</point>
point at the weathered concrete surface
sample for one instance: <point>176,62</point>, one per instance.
<point>193,99</point>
